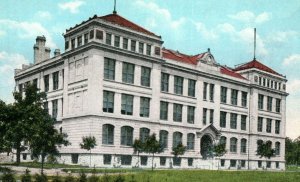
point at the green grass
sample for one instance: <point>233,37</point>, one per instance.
<point>46,165</point>
<point>104,170</point>
<point>293,168</point>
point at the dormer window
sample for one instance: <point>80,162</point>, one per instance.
<point>99,34</point>
<point>91,34</point>
<point>157,51</point>
<point>108,39</point>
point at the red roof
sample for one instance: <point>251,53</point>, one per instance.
<point>177,56</point>
<point>230,72</point>
<point>119,20</point>
<point>255,64</point>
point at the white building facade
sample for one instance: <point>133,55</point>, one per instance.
<point>116,82</point>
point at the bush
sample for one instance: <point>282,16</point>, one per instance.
<point>40,178</point>
<point>93,178</point>
<point>5,170</point>
<point>69,178</point>
<point>82,177</point>
<point>8,177</point>
<point>57,178</point>
<point>26,177</point>
<point>105,178</point>
<point>51,159</point>
<point>120,178</point>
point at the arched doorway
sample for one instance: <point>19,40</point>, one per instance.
<point>206,146</point>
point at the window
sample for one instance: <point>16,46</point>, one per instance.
<point>108,134</point>
<point>73,43</point>
<point>141,47</point>
<point>148,50</point>
<point>163,138</point>
<point>99,34</point>
<point>277,148</point>
<point>243,145</point>
<point>223,95</point>
<point>133,45</point>
<point>108,39</point>
<point>125,43</point>
<point>190,141</point>
<point>74,158</point>
<point>277,164</point>
<point>178,85</point>
<point>260,102</point>
<point>109,68</point>
<point>24,156</point>
<point>190,161</point>
<point>164,82</point>
<point>46,83</point>
<point>127,104</point>
<point>277,126</point>
<point>145,76</point>
<point>243,122</point>
<point>222,162</point>
<point>126,135</point>
<point>211,92</point>
<point>126,159</point>
<point>205,90</point>
<point>117,41</point>
<point>106,159</point>
<point>259,142</point>
<point>177,139</point>
<point>243,163</point>
<point>144,134</point>
<point>278,101</point>
<point>211,116</point>
<point>162,161</point>
<point>204,116</point>
<point>157,51</point>
<point>176,161</point>
<point>223,140</point>
<point>191,114</point>
<point>35,83</point>
<point>144,160</point>
<point>128,73</point>
<point>232,163</point>
<point>233,120</point>
<point>55,80</point>
<point>233,144</point>
<point>163,110</point>
<point>177,112</point>
<point>223,119</point>
<point>21,86</point>
<point>66,45</point>
<point>54,108</point>
<point>259,124</point>
<point>234,96</point>
<point>46,108</point>
<point>91,34</point>
<point>259,164</point>
<point>79,41</point>
<point>86,38</point>
<point>108,101</point>
<point>144,106</point>
<point>276,85</point>
<point>244,99</point>
<point>268,164</point>
<point>269,103</point>
<point>264,82</point>
<point>269,126</point>
<point>191,89</point>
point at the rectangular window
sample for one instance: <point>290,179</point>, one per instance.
<point>163,110</point>
<point>157,51</point>
<point>108,39</point>
<point>260,102</point>
<point>259,164</point>
<point>259,124</point>
<point>133,45</point>
<point>117,41</point>
<point>191,114</point>
<point>269,103</point>
<point>234,96</point>
<point>91,34</point>
<point>276,85</point>
<point>162,161</point>
<point>223,119</point>
<point>109,68</point>
<point>55,80</point>
<point>46,83</point>
<point>125,43</point>
<point>54,109</point>
<point>178,85</point>
<point>141,47</point>
<point>204,116</point>
<point>128,73</point>
<point>108,101</point>
<point>148,50</point>
<point>79,41</point>
<point>66,45</point>
<point>145,76</point>
<point>243,122</point>
<point>223,95</point>
<point>278,103</point>
<point>268,164</point>
<point>277,164</point>
<point>21,87</point>
<point>86,38</point>
<point>164,82</point>
<point>233,120</point>
<point>232,163</point>
<point>190,161</point>
<point>277,126</point>
<point>244,99</point>
<point>127,104</point>
<point>74,158</point>
<point>269,126</point>
<point>106,159</point>
<point>73,43</point>
<point>99,34</point>
<point>191,89</point>
<point>144,107</point>
<point>144,160</point>
<point>205,91</point>
<point>264,82</point>
<point>211,116</point>
<point>211,92</point>
<point>176,161</point>
<point>126,160</point>
<point>177,112</point>
<point>222,162</point>
<point>243,163</point>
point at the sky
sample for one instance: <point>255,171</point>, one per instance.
<point>189,26</point>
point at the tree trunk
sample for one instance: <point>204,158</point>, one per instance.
<point>152,160</point>
<point>43,160</point>
<point>18,154</point>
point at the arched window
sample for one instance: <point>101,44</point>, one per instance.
<point>163,138</point>
<point>243,145</point>
<point>144,134</point>
<point>108,134</point>
<point>126,135</point>
<point>233,144</point>
<point>177,138</point>
<point>269,144</point>
<point>223,140</point>
<point>190,141</point>
<point>277,148</point>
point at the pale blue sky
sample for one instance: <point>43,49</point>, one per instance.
<point>224,26</point>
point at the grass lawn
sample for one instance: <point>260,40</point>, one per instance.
<point>46,165</point>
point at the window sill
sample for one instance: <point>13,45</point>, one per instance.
<point>108,145</point>
<point>125,146</point>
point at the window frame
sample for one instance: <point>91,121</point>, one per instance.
<point>109,68</point>
<point>177,112</point>
<point>145,76</point>
<point>144,107</point>
<point>128,104</point>
<point>108,133</point>
<point>128,70</point>
<point>178,85</point>
<point>165,111</point>
<point>108,100</point>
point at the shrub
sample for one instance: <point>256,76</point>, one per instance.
<point>40,178</point>
<point>120,178</point>
<point>105,178</point>
<point>51,159</point>
<point>69,178</point>
<point>5,170</point>
<point>8,177</point>
<point>93,178</point>
<point>26,177</point>
<point>82,177</point>
<point>57,178</point>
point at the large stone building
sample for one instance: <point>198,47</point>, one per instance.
<point>115,81</point>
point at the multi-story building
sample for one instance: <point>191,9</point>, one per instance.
<point>115,81</point>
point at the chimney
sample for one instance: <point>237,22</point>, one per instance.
<point>56,52</point>
<point>41,52</point>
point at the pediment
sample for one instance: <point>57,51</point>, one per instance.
<point>209,130</point>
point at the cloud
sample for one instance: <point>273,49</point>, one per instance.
<point>2,33</point>
<point>205,32</point>
<point>293,87</point>
<point>72,6</point>
<point>250,17</point>
<point>283,36</point>
<point>44,15</point>
<point>292,59</point>
<point>27,30</point>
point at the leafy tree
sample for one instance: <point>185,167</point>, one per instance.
<point>138,147</point>
<point>152,146</point>
<point>265,150</point>
<point>178,150</point>
<point>292,151</point>
<point>88,143</point>
<point>219,150</point>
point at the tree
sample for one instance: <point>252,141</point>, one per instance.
<point>88,143</point>
<point>138,147</point>
<point>219,150</point>
<point>178,150</point>
<point>292,151</point>
<point>264,149</point>
<point>152,146</point>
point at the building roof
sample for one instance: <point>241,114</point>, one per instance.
<point>177,56</point>
<point>255,64</point>
<point>227,71</point>
<point>119,20</point>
